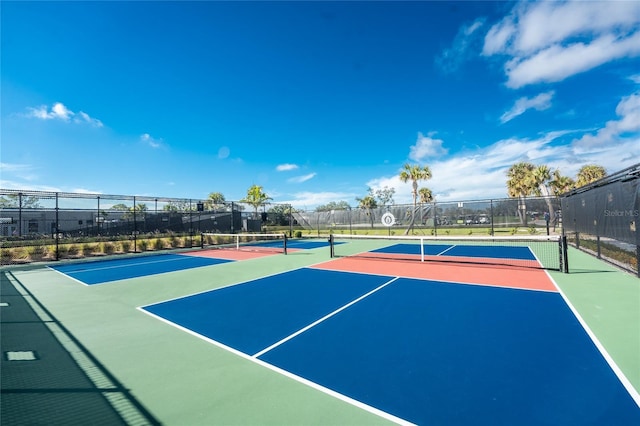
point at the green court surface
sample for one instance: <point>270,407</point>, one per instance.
<point>183,380</point>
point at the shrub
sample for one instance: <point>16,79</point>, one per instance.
<point>158,244</point>
<point>142,245</point>
<point>87,249</point>
<point>20,253</point>
<point>298,234</point>
<point>73,250</point>
<point>108,247</point>
<point>126,246</point>
<point>63,250</point>
<point>36,252</point>
<point>5,256</point>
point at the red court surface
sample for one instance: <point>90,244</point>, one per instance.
<point>493,275</point>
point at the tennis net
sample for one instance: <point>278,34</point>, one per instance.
<point>545,252</point>
<point>272,243</point>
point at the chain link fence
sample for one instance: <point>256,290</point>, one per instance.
<point>43,226</point>
<point>602,218</point>
<point>489,217</point>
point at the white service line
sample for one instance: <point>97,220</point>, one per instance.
<point>313,324</point>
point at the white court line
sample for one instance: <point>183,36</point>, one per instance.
<point>173,259</point>
<point>617,370</point>
<point>444,251</point>
<point>314,385</point>
<point>313,324</point>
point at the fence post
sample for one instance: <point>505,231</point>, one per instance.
<point>135,227</point>
<point>20,214</point>
<point>491,207</point>
<point>565,254</point>
<point>57,231</point>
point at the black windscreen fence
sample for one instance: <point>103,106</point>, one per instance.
<point>602,218</point>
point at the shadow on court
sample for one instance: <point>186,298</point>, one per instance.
<point>48,377</point>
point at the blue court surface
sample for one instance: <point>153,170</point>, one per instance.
<point>417,351</point>
<point>102,271</point>
<point>479,251</point>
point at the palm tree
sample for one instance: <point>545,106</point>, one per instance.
<point>256,197</point>
<point>541,178</point>
<point>214,199</point>
<point>589,173</point>
<point>414,173</point>
<point>520,184</point>
<point>560,184</point>
<point>368,203</point>
<point>426,196</point>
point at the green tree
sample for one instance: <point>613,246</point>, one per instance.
<point>590,173</point>
<point>17,201</point>
<point>541,183</point>
<point>426,196</point>
<point>214,199</point>
<point>368,203</point>
<point>120,207</point>
<point>520,184</point>
<point>334,205</point>
<point>414,173</point>
<point>385,195</point>
<point>560,184</point>
<point>281,213</point>
<point>140,210</point>
<point>256,197</point>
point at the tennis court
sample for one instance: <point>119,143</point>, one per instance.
<point>104,271</point>
<point>417,351</point>
<point>383,331</point>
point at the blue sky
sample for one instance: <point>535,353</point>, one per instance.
<point>314,101</point>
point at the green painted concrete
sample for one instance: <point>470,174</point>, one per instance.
<point>184,380</point>
<point>608,300</point>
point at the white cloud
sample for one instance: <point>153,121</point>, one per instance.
<point>21,171</point>
<point>481,173</point>
<point>624,131</point>
<point>27,186</point>
<point>310,200</point>
<point>83,117</point>
<point>8,167</point>
<point>539,103</point>
<point>286,167</point>
<point>426,147</point>
<point>300,179</point>
<point>151,141</point>
<point>550,41</point>
<point>223,152</point>
<point>59,111</point>
<point>451,58</point>
<point>559,62</point>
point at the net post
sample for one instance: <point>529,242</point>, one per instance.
<point>285,242</point>
<point>331,252</point>
<point>565,253</point>
<point>202,240</point>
